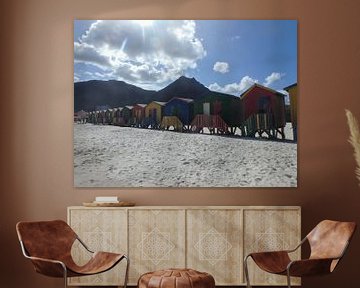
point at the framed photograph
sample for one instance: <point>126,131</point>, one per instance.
<point>185,103</point>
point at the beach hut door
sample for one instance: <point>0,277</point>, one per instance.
<point>206,108</point>
<point>154,114</point>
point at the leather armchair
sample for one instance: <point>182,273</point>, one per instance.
<point>328,242</point>
<point>48,245</point>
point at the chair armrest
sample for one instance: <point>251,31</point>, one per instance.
<point>309,267</point>
<point>84,245</point>
<point>49,267</point>
<point>298,246</point>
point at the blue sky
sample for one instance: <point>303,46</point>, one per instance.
<point>224,55</point>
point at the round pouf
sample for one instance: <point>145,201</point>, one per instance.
<point>176,278</point>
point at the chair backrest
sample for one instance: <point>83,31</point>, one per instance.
<point>329,239</point>
<point>46,239</point>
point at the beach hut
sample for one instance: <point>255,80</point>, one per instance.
<point>264,111</point>
<point>91,118</point>
<point>101,117</point>
<point>171,122</point>
<point>153,114</point>
<point>138,114</point>
<point>81,116</point>
<point>292,89</point>
<point>109,113</point>
<point>223,112</point>
<point>181,108</point>
<point>127,115</point>
<point>117,119</point>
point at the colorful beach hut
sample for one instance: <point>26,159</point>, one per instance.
<point>109,113</point>
<point>92,116</point>
<point>100,117</point>
<point>127,115</point>
<point>153,114</point>
<point>292,89</point>
<point>182,108</point>
<point>264,111</point>
<point>138,114</point>
<point>117,119</point>
<point>224,111</point>
<point>81,116</point>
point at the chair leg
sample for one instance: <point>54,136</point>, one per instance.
<point>288,278</point>
<point>246,270</point>
<point>65,276</point>
<point>127,271</point>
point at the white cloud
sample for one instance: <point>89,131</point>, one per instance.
<point>221,67</point>
<point>275,76</point>
<point>234,88</point>
<point>157,52</point>
<point>88,54</point>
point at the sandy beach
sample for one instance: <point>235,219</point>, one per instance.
<point>110,156</point>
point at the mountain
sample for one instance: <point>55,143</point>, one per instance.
<point>95,93</point>
<point>91,95</point>
<point>182,87</point>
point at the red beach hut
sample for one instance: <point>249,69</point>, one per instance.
<point>264,111</point>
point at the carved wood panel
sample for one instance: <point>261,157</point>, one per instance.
<point>214,241</point>
<point>156,240</point>
<point>270,230</point>
<point>100,230</point>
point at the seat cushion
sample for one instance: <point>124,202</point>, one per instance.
<point>176,278</point>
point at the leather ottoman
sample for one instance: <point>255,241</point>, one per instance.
<point>176,278</point>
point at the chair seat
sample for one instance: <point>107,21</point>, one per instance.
<point>99,262</point>
<point>272,262</point>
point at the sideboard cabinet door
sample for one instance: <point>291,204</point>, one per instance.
<point>214,244</point>
<point>270,230</point>
<point>156,240</point>
<point>101,230</point>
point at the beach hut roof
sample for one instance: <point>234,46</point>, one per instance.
<point>188,100</point>
<point>290,86</point>
<point>160,103</point>
<point>261,86</point>
<point>129,107</point>
<point>141,105</point>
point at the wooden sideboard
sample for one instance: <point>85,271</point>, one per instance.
<point>212,239</point>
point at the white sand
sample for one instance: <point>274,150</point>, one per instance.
<point>108,156</point>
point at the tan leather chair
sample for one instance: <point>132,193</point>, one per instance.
<point>48,245</point>
<point>328,242</point>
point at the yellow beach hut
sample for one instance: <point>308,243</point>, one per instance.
<point>153,114</point>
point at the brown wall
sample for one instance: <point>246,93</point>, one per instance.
<point>37,107</point>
